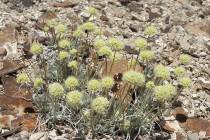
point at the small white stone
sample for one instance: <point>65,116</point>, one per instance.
<point>202,134</point>
<point>37,136</point>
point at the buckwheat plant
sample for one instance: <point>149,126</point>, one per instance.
<point>70,88</point>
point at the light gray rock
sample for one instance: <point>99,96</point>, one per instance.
<point>37,136</point>
<point>24,135</point>
<point>193,136</point>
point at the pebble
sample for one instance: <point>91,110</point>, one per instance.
<point>194,96</point>
<point>37,136</point>
<point>203,54</point>
<point>202,134</point>
<point>208,45</point>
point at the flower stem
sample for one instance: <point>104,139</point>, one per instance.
<point>112,62</point>
<point>136,60</point>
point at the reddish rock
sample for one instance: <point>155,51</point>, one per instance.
<point>197,125</point>
<point>9,67</point>
<point>15,101</point>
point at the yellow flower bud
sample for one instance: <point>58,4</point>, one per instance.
<point>71,83</point>
<point>73,64</point>
<point>140,43</point>
<point>56,90</point>
<point>107,83</point>
<point>93,85</point>
<point>161,72</point>
<point>74,99</point>
<point>134,78</point>
<point>100,105</point>
<point>22,78</point>
<point>150,31</point>
<point>36,48</point>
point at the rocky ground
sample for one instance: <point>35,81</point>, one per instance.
<point>184,27</point>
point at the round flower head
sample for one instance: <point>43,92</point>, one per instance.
<point>71,83</point>
<point>162,72</point>
<point>147,55</point>
<point>99,43</point>
<point>88,27</point>
<point>164,93</point>
<point>100,105</point>
<point>115,44</point>
<point>180,71</point>
<point>184,58</point>
<point>93,85</point>
<point>22,78</point>
<point>92,11</point>
<point>38,82</point>
<point>150,31</point>
<point>107,83</point>
<point>78,33</point>
<point>150,85</point>
<point>73,51</point>
<point>74,99</point>
<point>52,23</point>
<point>104,51</point>
<point>63,55</point>
<point>134,78</point>
<point>64,43</point>
<point>56,89</point>
<point>141,43</point>
<point>36,48</point>
<point>61,28</point>
<point>73,64</point>
<point>185,82</point>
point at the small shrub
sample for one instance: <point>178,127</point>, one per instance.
<point>74,90</point>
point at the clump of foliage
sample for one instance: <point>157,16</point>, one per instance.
<point>70,88</point>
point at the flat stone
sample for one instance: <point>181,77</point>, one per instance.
<point>193,136</point>
<point>37,136</point>
<point>171,126</point>
<point>7,67</point>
